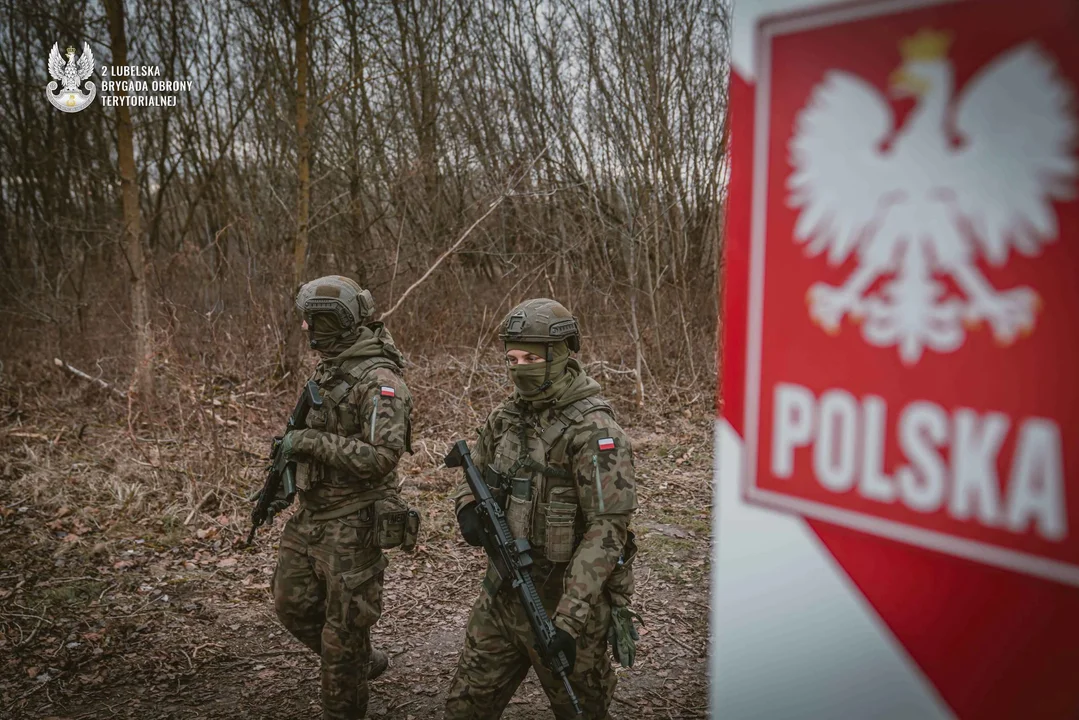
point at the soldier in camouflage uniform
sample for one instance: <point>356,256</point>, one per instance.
<point>562,469</point>
<point>328,583</point>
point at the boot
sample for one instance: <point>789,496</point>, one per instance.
<point>379,662</point>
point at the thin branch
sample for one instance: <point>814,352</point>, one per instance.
<point>443,256</point>
<point>494,205</point>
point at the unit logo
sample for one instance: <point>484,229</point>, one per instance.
<point>70,76</point>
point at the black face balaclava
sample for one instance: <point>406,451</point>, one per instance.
<point>328,336</point>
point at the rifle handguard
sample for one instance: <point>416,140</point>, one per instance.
<point>281,475</point>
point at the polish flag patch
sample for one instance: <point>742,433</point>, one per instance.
<point>606,444</point>
<point>387,391</point>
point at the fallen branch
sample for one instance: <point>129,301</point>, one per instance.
<point>80,374</point>
<point>28,435</point>
<point>218,419</point>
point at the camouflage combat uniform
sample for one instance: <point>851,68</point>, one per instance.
<point>563,470</point>
<point>328,583</point>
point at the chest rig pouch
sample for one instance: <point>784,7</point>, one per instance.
<point>533,469</point>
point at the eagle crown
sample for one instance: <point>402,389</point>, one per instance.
<point>70,51</point>
<point>925,45</point>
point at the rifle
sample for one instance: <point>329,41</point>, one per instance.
<point>282,470</point>
<point>513,560</point>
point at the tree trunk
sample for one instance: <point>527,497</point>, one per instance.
<point>303,166</point>
<point>129,190</point>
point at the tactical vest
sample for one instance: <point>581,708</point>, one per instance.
<point>532,469</point>
<point>323,486</point>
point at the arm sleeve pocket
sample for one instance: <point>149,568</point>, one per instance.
<point>559,531</point>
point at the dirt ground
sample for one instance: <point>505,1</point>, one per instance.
<point>125,591</point>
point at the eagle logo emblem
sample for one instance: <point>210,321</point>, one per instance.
<point>974,174</point>
<point>70,75</point>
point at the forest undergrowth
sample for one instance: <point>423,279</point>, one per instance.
<point>126,591</point>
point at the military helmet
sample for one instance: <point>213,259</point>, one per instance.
<point>541,320</point>
<point>340,296</point>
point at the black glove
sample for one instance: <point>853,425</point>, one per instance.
<point>566,643</point>
<point>471,528</point>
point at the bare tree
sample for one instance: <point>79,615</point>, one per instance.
<point>367,137</point>
<point>132,222</point>
<point>303,148</point>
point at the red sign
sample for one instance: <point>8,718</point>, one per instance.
<point>897,509</point>
<point>914,236</point>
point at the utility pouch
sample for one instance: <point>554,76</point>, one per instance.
<point>391,522</point>
<point>519,506</point>
<point>496,483</point>
<point>305,476</point>
<point>412,530</point>
<point>519,516</point>
<point>521,488</point>
<point>558,531</point>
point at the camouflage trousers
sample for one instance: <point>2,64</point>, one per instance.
<point>499,651</point>
<point>328,593</point>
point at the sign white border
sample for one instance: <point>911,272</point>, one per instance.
<point>1030,564</point>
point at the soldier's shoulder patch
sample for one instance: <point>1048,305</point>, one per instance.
<point>606,443</point>
<point>387,391</point>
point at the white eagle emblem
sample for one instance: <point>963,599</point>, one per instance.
<point>70,75</point>
<point>977,173</point>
